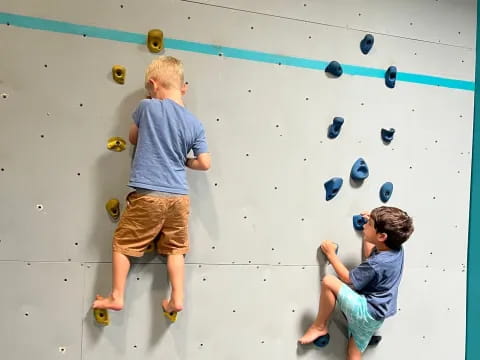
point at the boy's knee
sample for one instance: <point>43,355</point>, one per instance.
<point>329,280</point>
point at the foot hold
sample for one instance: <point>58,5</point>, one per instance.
<point>366,44</point>
<point>391,77</point>
<point>386,191</point>
<point>332,187</point>
<point>335,127</point>
<point>101,316</point>
<point>334,68</point>
<point>387,135</point>
<point>322,341</point>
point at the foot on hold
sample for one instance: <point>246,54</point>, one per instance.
<point>313,334</point>
<point>374,340</point>
<point>334,68</point>
<point>116,144</point>
<point>101,317</point>
<point>155,40</point>
<point>169,311</point>
<point>359,170</point>
<point>334,128</point>
<point>107,303</point>
<point>387,135</point>
<point>366,44</point>
<point>391,77</point>
<point>358,222</point>
<point>332,187</point>
<point>113,208</point>
<point>386,191</point>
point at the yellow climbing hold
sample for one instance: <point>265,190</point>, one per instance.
<point>101,316</point>
<point>119,72</point>
<point>155,40</point>
<point>116,144</point>
<point>172,316</point>
<point>113,208</point>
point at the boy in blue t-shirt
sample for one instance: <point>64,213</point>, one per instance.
<point>374,282</point>
<point>164,133</point>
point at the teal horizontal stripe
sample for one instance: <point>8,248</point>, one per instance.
<point>209,49</point>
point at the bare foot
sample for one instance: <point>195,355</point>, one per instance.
<point>170,306</point>
<point>312,333</point>
<point>107,303</point>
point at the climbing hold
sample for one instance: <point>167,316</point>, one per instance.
<point>334,68</point>
<point>358,222</point>
<point>387,135</point>
<point>155,40</point>
<point>116,144</point>
<point>322,341</point>
<point>172,316</point>
<point>113,208</point>
<point>334,128</point>
<point>332,187</point>
<point>359,170</point>
<point>150,248</point>
<point>366,44</point>
<point>118,73</point>
<point>386,191</point>
<point>101,316</point>
<point>374,340</point>
<point>391,77</point>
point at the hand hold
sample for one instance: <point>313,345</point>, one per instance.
<point>334,128</point>
<point>359,170</point>
<point>358,222</point>
<point>118,73</point>
<point>366,44</point>
<point>332,187</point>
<point>113,208</point>
<point>155,40</point>
<point>387,135</point>
<point>334,68</point>
<point>391,77</point>
<point>386,191</point>
<point>116,144</point>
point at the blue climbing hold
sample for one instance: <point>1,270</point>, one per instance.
<point>391,77</point>
<point>334,68</point>
<point>322,341</point>
<point>359,170</point>
<point>387,135</point>
<point>358,222</point>
<point>334,128</point>
<point>386,191</point>
<point>366,44</point>
<point>332,187</point>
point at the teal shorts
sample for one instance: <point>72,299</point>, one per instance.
<point>361,325</point>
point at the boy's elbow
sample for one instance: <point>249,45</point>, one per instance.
<point>204,161</point>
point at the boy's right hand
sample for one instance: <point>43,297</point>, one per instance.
<point>329,248</point>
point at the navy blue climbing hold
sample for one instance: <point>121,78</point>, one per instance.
<point>322,341</point>
<point>386,191</point>
<point>358,222</point>
<point>334,128</point>
<point>387,135</point>
<point>359,170</point>
<point>391,77</point>
<point>374,340</point>
<point>366,44</point>
<point>334,68</point>
<point>332,187</point>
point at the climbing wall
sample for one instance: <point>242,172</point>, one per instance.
<point>255,71</point>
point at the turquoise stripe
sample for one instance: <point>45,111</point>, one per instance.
<point>123,36</point>
<point>472,351</point>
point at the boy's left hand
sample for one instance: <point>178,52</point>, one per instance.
<point>328,247</point>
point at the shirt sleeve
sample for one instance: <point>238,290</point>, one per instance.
<point>139,112</point>
<point>362,275</point>
<point>200,144</point>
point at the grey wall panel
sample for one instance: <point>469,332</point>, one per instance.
<point>41,310</point>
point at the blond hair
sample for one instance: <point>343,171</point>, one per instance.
<point>167,70</point>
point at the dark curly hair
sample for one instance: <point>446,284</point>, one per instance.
<point>395,223</point>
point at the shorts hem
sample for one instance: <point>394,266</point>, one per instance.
<point>173,252</point>
<point>128,252</point>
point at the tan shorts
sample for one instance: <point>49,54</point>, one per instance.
<point>148,218</point>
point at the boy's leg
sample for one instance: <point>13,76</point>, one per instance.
<point>120,268</point>
<point>353,352</point>
<point>175,269</point>
<point>330,288</point>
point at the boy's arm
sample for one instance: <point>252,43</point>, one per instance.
<point>133,134</point>
<point>329,249</point>
<point>201,162</point>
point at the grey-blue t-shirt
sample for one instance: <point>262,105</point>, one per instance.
<point>166,134</point>
<point>378,278</point>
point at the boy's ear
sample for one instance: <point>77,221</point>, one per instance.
<point>382,237</point>
<point>184,89</point>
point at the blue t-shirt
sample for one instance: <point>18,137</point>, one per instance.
<point>166,134</point>
<point>377,278</point>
